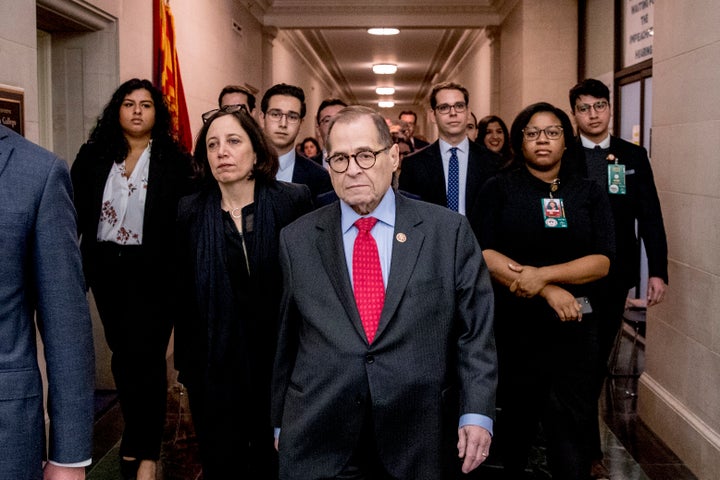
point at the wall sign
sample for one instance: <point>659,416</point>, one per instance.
<point>637,31</point>
<point>11,108</point>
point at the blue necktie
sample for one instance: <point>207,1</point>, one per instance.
<point>453,188</point>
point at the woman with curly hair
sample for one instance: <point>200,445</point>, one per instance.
<point>127,181</point>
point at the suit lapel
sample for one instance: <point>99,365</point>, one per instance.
<point>436,174</point>
<point>332,254</point>
<point>474,178</point>
<point>407,243</point>
<point>6,150</point>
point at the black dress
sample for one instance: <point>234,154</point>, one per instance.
<point>545,365</point>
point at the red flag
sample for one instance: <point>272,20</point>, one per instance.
<point>167,71</point>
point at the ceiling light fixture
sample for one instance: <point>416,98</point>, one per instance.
<point>386,104</point>
<point>384,68</point>
<point>383,31</point>
<point>384,90</point>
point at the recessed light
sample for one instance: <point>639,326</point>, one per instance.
<point>383,31</point>
<point>384,68</point>
<point>384,90</point>
<point>386,104</point>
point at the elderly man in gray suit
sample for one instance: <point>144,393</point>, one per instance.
<point>41,274</point>
<point>386,364</point>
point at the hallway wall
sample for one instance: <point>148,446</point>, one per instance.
<point>679,395</point>
<point>538,55</point>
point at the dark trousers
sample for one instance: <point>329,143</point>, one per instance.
<point>609,325</point>
<point>546,376</point>
<point>137,329</point>
<point>234,432</point>
<point>365,463</point>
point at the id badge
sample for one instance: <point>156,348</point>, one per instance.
<point>553,213</point>
<point>616,179</point>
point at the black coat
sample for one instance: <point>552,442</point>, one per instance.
<point>640,204</point>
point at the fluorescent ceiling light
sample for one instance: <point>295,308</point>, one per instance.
<point>386,104</point>
<point>384,68</point>
<point>383,31</point>
<point>384,90</point>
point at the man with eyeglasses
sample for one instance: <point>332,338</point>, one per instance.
<point>237,95</point>
<point>623,170</point>
<point>385,365</point>
<point>450,171</point>
<point>282,112</point>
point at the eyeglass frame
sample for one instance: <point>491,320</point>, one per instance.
<point>459,107</point>
<point>599,107</point>
<point>276,111</point>
<point>225,108</point>
<point>354,157</point>
<point>541,131</point>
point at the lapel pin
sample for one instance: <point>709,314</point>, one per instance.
<point>401,237</point>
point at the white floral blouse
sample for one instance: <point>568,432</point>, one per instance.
<point>123,204</point>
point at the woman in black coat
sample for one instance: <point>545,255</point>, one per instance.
<point>229,286</point>
<point>127,181</point>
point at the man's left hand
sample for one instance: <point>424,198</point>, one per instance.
<point>473,446</point>
<point>656,291</point>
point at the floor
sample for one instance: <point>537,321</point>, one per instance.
<point>632,451</point>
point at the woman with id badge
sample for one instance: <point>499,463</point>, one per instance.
<point>547,238</point>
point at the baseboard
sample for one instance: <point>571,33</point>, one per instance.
<point>689,437</point>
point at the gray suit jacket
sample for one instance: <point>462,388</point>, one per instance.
<point>41,272</point>
<point>432,359</point>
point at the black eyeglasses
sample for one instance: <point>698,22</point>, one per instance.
<point>444,108</point>
<point>584,108</point>
<point>553,132</point>
<point>227,108</point>
<point>340,162</point>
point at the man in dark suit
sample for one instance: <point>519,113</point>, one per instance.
<point>371,377</point>
<point>633,198</point>
<point>410,117</point>
<point>283,110</point>
<point>453,164</point>
<point>41,274</point>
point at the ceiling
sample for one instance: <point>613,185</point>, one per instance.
<point>332,36</point>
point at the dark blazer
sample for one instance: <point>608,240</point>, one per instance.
<point>433,357</point>
<point>419,143</point>
<point>422,174</point>
<point>311,174</point>
<point>169,179</point>
<point>205,297</point>
<point>640,203</point>
<point>40,272</point>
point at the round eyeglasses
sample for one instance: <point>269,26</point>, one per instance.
<point>340,162</point>
<point>553,132</point>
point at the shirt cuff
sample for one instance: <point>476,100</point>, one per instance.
<point>276,432</point>
<point>477,420</point>
<point>84,463</point>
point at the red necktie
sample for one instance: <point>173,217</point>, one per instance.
<point>367,277</point>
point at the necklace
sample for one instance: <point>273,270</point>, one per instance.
<point>236,213</point>
<point>554,186</point>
